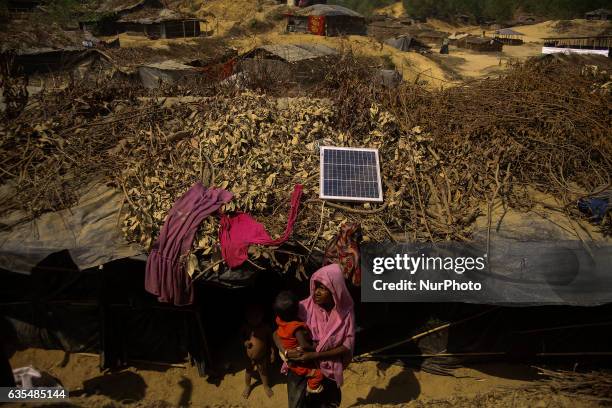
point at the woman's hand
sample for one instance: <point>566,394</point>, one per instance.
<point>307,356</point>
<point>294,354</point>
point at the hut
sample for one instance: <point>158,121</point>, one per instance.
<point>432,37</point>
<point>526,19</point>
<point>480,44</point>
<point>508,36</point>
<point>463,19</point>
<point>599,14</point>
<point>406,43</point>
<point>160,23</point>
<point>286,62</point>
<point>44,60</point>
<point>167,72</point>
<point>328,20</point>
<point>149,17</point>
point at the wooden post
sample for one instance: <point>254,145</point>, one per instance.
<point>183,28</point>
<point>103,310</point>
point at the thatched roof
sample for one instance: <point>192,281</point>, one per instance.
<point>296,52</point>
<point>118,6</point>
<point>326,10</point>
<point>479,40</point>
<point>507,31</point>
<point>149,16</point>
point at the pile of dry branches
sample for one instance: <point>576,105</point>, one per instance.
<point>596,385</point>
<point>447,155</point>
<point>60,143</point>
<point>543,125</point>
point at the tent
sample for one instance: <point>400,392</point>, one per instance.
<point>43,60</point>
<point>286,62</point>
<point>166,72</point>
<point>406,43</point>
<point>70,281</point>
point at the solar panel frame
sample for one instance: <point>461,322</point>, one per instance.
<point>379,195</point>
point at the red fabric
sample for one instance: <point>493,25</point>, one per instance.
<point>315,376</point>
<point>238,232</point>
<point>344,250</point>
<point>316,25</point>
<point>286,335</point>
<point>286,332</point>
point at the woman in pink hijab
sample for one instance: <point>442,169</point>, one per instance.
<point>329,314</point>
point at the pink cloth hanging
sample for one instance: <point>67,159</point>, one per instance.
<point>238,232</point>
<point>165,275</point>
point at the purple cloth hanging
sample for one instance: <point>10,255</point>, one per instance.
<point>166,276</point>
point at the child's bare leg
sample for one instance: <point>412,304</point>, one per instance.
<point>262,368</point>
<point>247,382</point>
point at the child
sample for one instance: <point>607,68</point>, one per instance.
<point>257,335</point>
<point>294,334</point>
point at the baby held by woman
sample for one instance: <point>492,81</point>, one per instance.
<point>294,334</point>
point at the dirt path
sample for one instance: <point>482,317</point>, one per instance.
<point>367,383</point>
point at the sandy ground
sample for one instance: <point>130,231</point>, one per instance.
<point>366,384</point>
<point>393,10</point>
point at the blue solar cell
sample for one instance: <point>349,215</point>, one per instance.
<point>350,174</point>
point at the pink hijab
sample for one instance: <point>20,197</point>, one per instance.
<point>333,329</point>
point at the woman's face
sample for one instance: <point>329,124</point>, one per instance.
<point>322,296</point>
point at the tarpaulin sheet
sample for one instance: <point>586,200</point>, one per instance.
<point>90,231</point>
<point>529,262</point>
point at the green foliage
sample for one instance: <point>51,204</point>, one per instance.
<point>502,10</point>
<point>365,7</point>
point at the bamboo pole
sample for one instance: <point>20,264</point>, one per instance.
<point>418,336</point>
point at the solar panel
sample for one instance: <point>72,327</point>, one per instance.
<point>350,174</point>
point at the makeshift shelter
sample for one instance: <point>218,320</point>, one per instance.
<point>160,23</point>
<point>43,60</point>
<point>452,39</point>
<point>599,45</point>
<point>69,280</point>
<point>526,19</point>
<point>147,16</point>
<point>599,14</point>
<point>166,72</point>
<point>328,20</point>
<point>508,36</point>
<point>406,43</point>
<point>289,62</point>
<point>463,19</point>
<point>432,37</point>
<point>480,44</point>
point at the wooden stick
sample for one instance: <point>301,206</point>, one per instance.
<point>357,210</point>
<point>418,336</point>
<point>428,355</point>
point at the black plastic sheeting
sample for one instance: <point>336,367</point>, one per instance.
<point>103,311</point>
<point>108,311</point>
